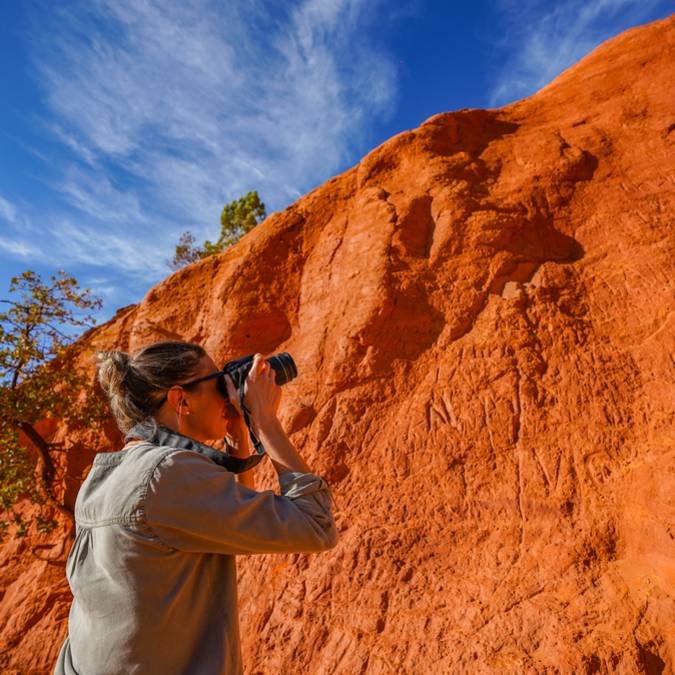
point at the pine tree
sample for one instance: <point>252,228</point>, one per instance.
<point>236,219</point>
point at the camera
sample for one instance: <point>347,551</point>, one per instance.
<point>284,368</point>
<point>282,364</point>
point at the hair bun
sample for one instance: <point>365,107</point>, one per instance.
<point>112,369</point>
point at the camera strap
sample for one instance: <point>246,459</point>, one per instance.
<point>259,447</point>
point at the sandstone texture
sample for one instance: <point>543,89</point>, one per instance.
<point>482,312</point>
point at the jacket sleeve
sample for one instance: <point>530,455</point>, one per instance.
<point>195,505</point>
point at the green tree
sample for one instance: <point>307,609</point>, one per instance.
<point>186,251</point>
<point>238,217</point>
<point>39,379</point>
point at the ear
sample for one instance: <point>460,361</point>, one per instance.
<point>176,399</point>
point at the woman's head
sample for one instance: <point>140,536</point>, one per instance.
<point>149,385</point>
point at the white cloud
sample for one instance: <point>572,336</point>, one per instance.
<point>21,249</point>
<point>200,101</point>
<point>62,242</point>
<point>94,194</point>
<point>544,39</point>
<point>58,241</point>
<point>106,249</point>
<point>7,210</point>
<point>169,109</point>
<point>15,224</point>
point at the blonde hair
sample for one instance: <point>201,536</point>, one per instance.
<point>136,386</point>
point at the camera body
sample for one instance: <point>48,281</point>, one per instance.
<point>282,364</point>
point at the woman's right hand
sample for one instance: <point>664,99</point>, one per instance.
<point>261,392</point>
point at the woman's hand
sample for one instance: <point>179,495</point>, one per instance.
<point>261,392</point>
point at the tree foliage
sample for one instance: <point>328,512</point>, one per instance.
<point>237,218</point>
<point>40,379</point>
<point>186,251</point>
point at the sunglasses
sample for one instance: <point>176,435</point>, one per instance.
<point>220,383</point>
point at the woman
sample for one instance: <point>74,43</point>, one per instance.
<point>152,567</point>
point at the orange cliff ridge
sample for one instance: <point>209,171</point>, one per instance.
<point>482,316</point>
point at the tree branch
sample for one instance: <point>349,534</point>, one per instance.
<point>45,469</point>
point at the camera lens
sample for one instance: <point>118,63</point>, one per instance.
<point>284,367</point>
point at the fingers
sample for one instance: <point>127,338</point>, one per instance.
<point>268,374</point>
<point>258,367</point>
<point>262,391</point>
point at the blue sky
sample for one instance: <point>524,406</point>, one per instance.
<point>125,122</point>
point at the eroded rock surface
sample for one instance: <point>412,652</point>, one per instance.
<point>482,315</point>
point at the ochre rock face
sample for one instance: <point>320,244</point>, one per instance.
<point>482,313</point>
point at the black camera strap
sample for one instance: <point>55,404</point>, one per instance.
<point>259,447</point>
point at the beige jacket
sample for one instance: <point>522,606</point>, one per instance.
<point>152,567</point>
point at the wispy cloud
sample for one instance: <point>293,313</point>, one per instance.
<point>16,238</point>
<point>7,211</point>
<point>546,38</point>
<point>93,194</point>
<point>164,111</point>
<point>106,249</point>
<point>21,249</point>
<point>17,234</point>
<point>170,109</point>
<point>60,241</point>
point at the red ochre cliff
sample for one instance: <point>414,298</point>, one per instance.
<point>482,315</point>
